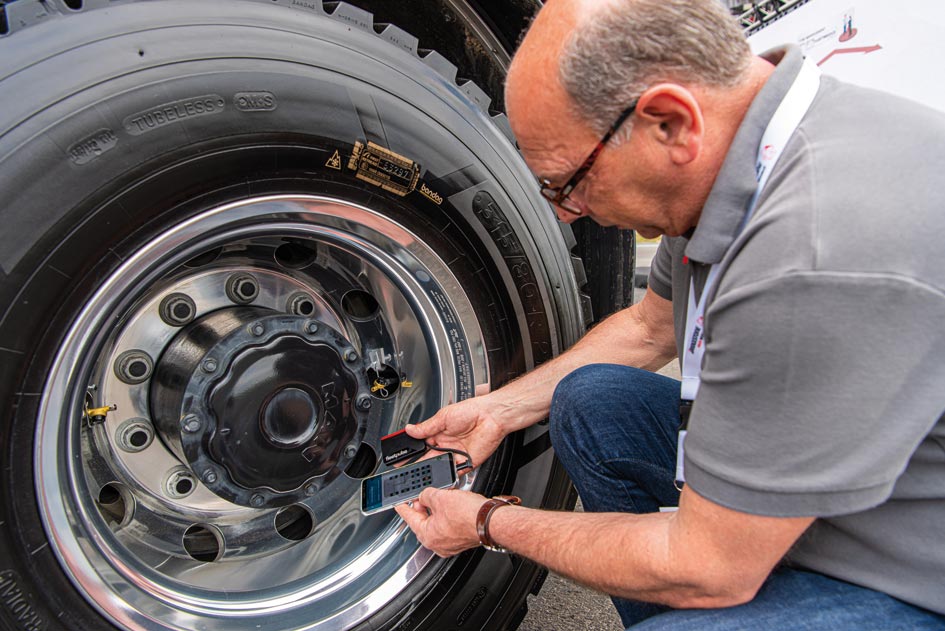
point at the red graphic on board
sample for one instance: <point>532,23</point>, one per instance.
<point>840,51</point>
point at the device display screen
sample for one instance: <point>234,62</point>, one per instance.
<point>386,490</point>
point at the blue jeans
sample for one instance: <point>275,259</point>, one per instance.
<point>614,429</point>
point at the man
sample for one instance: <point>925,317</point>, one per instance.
<point>803,210</point>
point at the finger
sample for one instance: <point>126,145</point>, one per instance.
<point>430,497</point>
<point>430,427</point>
<point>414,516</point>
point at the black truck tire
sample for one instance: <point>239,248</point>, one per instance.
<point>241,240</point>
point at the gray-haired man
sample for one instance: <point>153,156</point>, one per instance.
<point>812,367</point>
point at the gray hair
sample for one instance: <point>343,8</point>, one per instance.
<point>623,48</point>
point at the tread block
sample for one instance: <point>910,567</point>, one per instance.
<point>443,66</point>
<point>25,13</point>
<point>398,37</point>
<point>476,94</point>
<point>352,15</point>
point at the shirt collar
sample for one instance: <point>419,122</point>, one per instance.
<point>735,183</point>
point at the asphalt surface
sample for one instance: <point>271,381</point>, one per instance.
<point>563,605</point>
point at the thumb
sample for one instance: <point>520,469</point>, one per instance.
<point>428,428</point>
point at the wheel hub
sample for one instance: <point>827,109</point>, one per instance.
<point>265,408</point>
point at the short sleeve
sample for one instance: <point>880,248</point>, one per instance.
<point>660,279</point>
<point>817,387</point>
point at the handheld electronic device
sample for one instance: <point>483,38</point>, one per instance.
<point>386,490</point>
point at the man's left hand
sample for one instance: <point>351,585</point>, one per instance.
<point>444,520</point>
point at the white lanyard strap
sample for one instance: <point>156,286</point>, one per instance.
<point>776,136</point>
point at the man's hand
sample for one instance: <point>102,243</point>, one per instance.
<point>444,520</point>
<point>471,426</point>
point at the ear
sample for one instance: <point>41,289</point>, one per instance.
<point>673,118</point>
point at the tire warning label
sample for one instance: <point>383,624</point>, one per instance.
<point>334,162</point>
<point>382,167</point>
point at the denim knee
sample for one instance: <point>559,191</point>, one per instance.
<point>569,416</point>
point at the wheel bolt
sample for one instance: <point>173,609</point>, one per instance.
<point>209,365</point>
<point>257,500</point>
<point>257,329</point>
<point>351,451</point>
<point>310,489</point>
<point>312,327</point>
<point>351,355</point>
<point>209,476</point>
<point>191,424</point>
<point>364,402</point>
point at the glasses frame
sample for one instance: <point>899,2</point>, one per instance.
<point>560,195</point>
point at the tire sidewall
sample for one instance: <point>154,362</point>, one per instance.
<point>68,165</point>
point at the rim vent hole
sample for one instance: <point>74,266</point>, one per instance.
<point>114,505</point>
<point>294,523</point>
<point>203,543</point>
<point>294,255</point>
<point>360,305</point>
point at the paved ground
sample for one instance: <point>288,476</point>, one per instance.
<point>565,606</point>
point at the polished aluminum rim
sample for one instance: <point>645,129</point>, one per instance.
<point>142,535</point>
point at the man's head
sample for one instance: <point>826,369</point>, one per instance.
<point>584,63</point>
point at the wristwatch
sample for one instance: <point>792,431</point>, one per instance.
<point>485,514</point>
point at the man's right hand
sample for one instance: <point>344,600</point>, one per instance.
<point>472,426</point>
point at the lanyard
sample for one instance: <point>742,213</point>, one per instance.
<point>776,136</point>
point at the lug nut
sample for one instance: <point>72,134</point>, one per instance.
<point>257,500</point>
<point>133,366</point>
<point>364,402</point>
<point>242,288</point>
<point>300,303</point>
<point>178,309</point>
<point>135,435</point>
<point>209,365</point>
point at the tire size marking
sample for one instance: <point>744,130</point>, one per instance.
<point>382,167</point>
<point>18,604</point>
<point>494,220</point>
<point>93,146</point>
<point>167,113</point>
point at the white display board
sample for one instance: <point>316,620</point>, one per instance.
<point>892,45</point>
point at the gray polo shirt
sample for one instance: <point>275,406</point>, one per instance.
<point>823,381</point>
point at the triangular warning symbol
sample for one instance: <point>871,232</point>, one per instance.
<point>334,162</point>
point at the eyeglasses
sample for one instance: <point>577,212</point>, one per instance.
<point>560,195</point>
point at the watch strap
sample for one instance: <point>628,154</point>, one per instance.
<point>485,515</point>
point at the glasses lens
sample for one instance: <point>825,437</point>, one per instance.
<point>570,206</point>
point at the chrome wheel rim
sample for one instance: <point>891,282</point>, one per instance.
<point>155,541</point>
